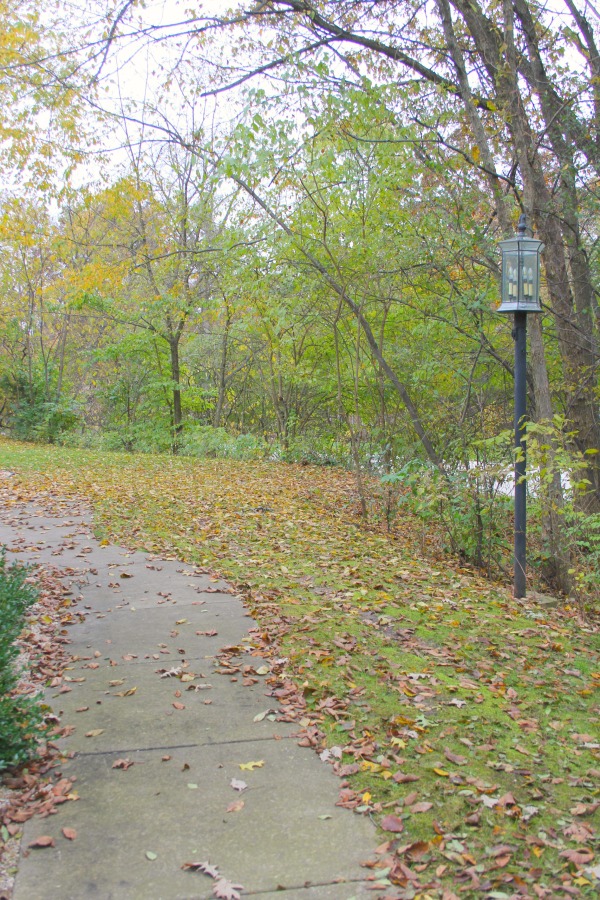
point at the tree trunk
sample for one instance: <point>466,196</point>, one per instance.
<point>556,569</point>
<point>175,375</point>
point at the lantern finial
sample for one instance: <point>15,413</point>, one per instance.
<point>523,227</point>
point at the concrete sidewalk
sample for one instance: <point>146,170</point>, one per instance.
<point>138,620</point>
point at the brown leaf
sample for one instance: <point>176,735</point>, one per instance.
<point>122,764</point>
<point>404,777</point>
<point>43,841</point>
<point>473,820</point>
<point>96,732</point>
<point>584,809</point>
<point>421,807</point>
<point>455,757</point>
<point>178,705</point>
<point>201,867</point>
<point>236,806</point>
<point>69,833</point>
<point>392,823</point>
<point>580,856</point>
<point>226,890</point>
<point>414,851</point>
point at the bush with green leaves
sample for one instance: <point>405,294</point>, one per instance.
<point>553,458</point>
<point>34,415</point>
<point>469,503</point>
<point>20,716</point>
<point>207,441</point>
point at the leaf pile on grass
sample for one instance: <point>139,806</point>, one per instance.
<point>465,722</point>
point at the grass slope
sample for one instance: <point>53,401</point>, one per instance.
<point>464,722</point>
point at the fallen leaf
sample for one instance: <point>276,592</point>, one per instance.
<point>95,732</point>
<point>250,766</point>
<point>151,855</point>
<point>455,758</point>
<point>69,833</point>
<point>404,777</point>
<point>122,764</point>
<point>201,867</point>
<point>263,715</point>
<point>226,890</point>
<point>236,806</point>
<point>421,807</point>
<point>580,856</point>
<point>43,841</point>
<point>584,809</point>
<point>178,705</point>
<point>392,823</point>
<point>238,785</point>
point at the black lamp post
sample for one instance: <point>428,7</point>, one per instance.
<point>520,295</point>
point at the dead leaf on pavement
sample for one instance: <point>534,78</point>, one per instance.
<point>122,764</point>
<point>226,890</point>
<point>236,806</point>
<point>43,841</point>
<point>250,766</point>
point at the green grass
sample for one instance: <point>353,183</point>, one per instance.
<point>432,670</point>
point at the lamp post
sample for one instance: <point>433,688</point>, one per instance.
<point>520,295</point>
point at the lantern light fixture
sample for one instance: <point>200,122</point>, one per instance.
<point>521,272</point>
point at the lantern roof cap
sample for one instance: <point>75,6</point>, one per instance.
<point>522,240</point>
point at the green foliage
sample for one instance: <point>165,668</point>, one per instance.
<point>33,415</point>
<point>19,716</point>
<point>467,503</point>
<point>553,457</point>
<point>206,441</point>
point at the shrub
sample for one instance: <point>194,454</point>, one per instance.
<point>20,717</point>
<point>467,506</point>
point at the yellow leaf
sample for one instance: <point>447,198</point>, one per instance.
<point>442,773</point>
<point>250,766</point>
<point>366,797</point>
<point>398,742</point>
